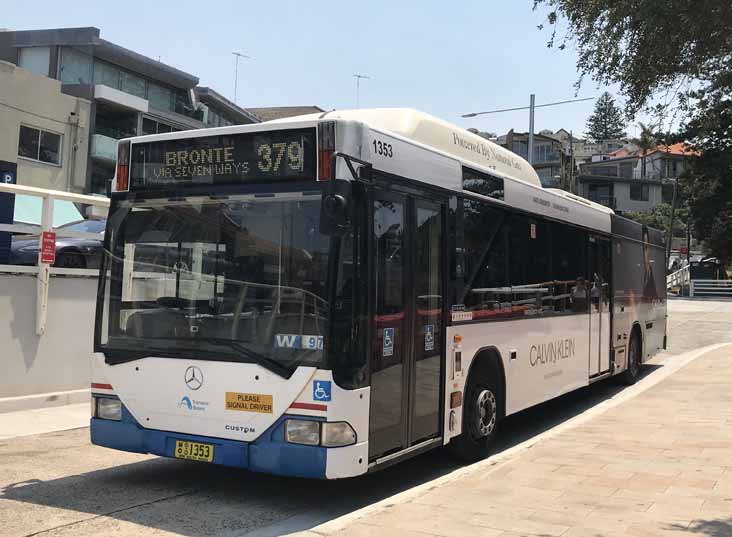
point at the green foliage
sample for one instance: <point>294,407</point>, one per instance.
<point>606,122</point>
<point>643,45</point>
<point>660,217</point>
<point>709,186</point>
<point>681,52</point>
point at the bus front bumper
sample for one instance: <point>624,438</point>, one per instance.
<point>269,453</point>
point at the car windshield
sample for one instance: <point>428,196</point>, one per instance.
<point>243,276</point>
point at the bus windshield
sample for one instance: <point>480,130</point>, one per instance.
<point>242,276</point>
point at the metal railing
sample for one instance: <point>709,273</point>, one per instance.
<point>709,288</point>
<point>679,278</point>
<point>44,270</point>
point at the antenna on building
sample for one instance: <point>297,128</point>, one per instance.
<point>236,70</point>
<point>358,78</point>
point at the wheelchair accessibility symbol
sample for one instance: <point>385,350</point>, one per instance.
<point>321,390</point>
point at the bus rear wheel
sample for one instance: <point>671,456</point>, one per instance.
<point>480,419</point>
<point>630,376</point>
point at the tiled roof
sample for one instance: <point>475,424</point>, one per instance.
<point>279,112</point>
<point>680,149</point>
<point>622,152</point>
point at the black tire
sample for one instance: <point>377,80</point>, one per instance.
<point>630,375</point>
<point>482,402</point>
<point>70,260</point>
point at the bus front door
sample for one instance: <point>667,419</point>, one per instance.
<point>406,359</point>
<point>599,283</point>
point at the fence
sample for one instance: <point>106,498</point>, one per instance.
<point>701,288</point>
<point>44,270</point>
<point>678,279</point>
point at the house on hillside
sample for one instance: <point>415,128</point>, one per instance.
<point>628,180</point>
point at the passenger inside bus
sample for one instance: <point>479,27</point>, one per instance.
<point>579,296</point>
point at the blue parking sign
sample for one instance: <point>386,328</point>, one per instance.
<point>388,349</point>
<point>429,337</point>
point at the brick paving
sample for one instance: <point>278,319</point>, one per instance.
<point>658,464</point>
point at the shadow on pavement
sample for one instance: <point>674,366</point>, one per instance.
<point>712,528</point>
<point>199,499</point>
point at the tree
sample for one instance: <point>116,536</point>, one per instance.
<point>709,185</point>
<point>646,142</point>
<point>642,45</point>
<point>606,122</point>
<point>681,53</point>
<point>659,218</point>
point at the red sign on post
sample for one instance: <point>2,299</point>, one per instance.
<point>683,250</point>
<point>48,247</point>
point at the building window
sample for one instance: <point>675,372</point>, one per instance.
<point>35,59</point>
<point>132,84</point>
<point>106,74</point>
<point>76,67</point>
<point>639,192</point>
<point>159,97</point>
<point>39,145</point>
<point>150,126</point>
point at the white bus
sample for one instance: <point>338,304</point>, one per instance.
<point>326,295</point>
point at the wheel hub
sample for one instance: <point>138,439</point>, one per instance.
<point>485,413</point>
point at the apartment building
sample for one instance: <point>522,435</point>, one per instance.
<point>128,94</point>
<point>549,157</point>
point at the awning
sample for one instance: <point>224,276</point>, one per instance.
<point>28,210</point>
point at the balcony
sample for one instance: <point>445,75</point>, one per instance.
<point>604,200</point>
<point>103,148</point>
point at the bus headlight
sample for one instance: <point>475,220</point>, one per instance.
<point>106,408</point>
<point>302,432</point>
<point>337,434</point>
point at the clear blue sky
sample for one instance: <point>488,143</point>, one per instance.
<point>446,58</point>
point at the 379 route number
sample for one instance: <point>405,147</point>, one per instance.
<point>383,149</point>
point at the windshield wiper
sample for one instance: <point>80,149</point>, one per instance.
<point>262,359</point>
<point>120,356</point>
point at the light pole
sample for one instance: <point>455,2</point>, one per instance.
<point>531,108</point>
<point>236,70</point>
<point>358,78</point>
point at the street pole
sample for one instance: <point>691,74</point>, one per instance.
<point>673,214</point>
<point>688,234</point>
<point>236,71</point>
<point>571,163</point>
<point>671,224</point>
<point>531,130</point>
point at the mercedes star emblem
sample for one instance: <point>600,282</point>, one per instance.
<point>193,377</point>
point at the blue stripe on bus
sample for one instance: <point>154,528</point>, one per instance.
<point>269,453</point>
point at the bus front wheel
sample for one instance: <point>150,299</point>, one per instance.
<point>480,418</point>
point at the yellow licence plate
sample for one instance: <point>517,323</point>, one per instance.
<point>194,451</point>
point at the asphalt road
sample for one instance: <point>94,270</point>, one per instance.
<point>58,484</point>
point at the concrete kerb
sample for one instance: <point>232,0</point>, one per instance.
<point>671,365</point>
<point>43,400</point>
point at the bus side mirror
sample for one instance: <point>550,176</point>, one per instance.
<point>335,210</point>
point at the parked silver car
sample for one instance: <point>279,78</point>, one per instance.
<point>71,252</point>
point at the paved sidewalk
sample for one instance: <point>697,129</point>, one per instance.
<point>43,420</point>
<point>659,463</point>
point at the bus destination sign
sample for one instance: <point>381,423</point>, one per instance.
<point>224,159</point>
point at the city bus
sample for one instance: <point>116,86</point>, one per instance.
<point>326,295</point>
